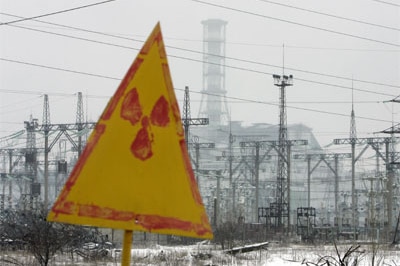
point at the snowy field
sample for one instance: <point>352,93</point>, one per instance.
<point>273,255</point>
<point>202,254</point>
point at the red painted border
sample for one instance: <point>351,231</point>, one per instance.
<point>149,222</point>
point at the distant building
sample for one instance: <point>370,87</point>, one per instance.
<point>234,165</point>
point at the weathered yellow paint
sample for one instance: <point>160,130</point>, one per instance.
<point>135,172</point>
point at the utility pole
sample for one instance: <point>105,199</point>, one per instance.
<point>80,121</point>
<point>18,154</point>
<point>323,157</point>
<point>353,137</point>
<point>10,168</point>
<point>371,213</point>
<point>390,166</point>
<point>47,127</point>
<point>230,159</point>
<point>46,122</point>
<point>374,144</point>
<point>187,121</point>
<point>396,230</point>
<point>31,159</point>
<point>30,152</point>
<point>242,162</point>
<point>217,197</point>
<point>257,145</point>
<point>282,210</point>
<point>277,211</point>
<point>197,146</point>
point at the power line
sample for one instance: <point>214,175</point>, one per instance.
<point>59,69</point>
<point>102,76</point>
<point>291,107</point>
<point>39,93</point>
<point>292,69</point>
<point>74,37</point>
<point>191,40</point>
<point>387,3</point>
<point>234,98</point>
<point>241,100</point>
<point>301,79</point>
<point>55,13</point>
<point>195,60</point>
<point>192,51</point>
<point>300,24</point>
<point>316,47</point>
<point>74,28</point>
<point>330,15</point>
<point>201,61</point>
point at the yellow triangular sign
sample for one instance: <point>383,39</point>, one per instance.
<point>135,172</point>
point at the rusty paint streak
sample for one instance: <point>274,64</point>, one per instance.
<point>131,109</point>
<point>148,222</point>
<point>160,44</point>
<point>155,222</point>
<point>188,169</point>
<point>154,37</point>
<point>173,103</point>
<point>141,146</point>
<point>160,114</point>
<point>94,211</point>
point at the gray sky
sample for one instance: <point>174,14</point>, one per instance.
<point>326,50</point>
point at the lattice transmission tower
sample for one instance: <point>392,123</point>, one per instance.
<point>80,121</point>
<point>282,191</point>
<point>353,141</point>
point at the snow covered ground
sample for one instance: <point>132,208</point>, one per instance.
<point>205,254</point>
<point>274,255</point>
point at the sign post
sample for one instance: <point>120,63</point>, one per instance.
<point>126,248</point>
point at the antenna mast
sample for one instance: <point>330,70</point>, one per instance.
<point>282,191</point>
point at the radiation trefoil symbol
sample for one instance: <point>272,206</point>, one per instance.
<point>132,111</point>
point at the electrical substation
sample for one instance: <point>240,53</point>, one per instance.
<point>272,181</point>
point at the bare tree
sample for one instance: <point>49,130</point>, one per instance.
<point>351,257</point>
<point>42,239</point>
<point>224,234</point>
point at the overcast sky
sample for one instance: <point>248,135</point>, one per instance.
<point>330,47</point>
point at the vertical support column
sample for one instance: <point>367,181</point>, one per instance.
<point>288,188</point>
<point>389,188</point>
<point>126,248</point>
<point>218,199</point>
<point>46,128</point>
<point>186,115</point>
<point>10,156</point>
<point>282,183</point>
<point>308,181</point>
<point>256,170</point>
<point>353,187</point>
<point>336,187</point>
<point>79,122</point>
<point>233,200</point>
<point>46,168</point>
<point>197,149</point>
<point>230,159</point>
